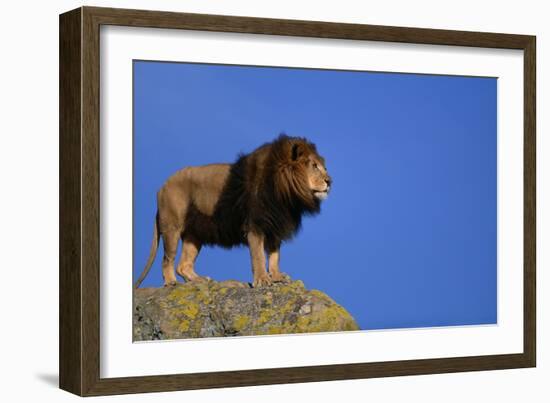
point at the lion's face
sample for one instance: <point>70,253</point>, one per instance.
<point>318,178</point>
<point>300,173</point>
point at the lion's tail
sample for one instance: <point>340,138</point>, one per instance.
<point>152,253</point>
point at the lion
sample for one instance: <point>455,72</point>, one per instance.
<point>257,201</point>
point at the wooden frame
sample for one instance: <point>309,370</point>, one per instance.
<point>79,201</point>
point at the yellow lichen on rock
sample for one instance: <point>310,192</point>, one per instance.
<point>184,326</point>
<point>264,316</point>
<point>230,308</point>
<point>240,322</point>
<point>190,309</point>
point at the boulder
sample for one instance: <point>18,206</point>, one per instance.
<point>233,308</point>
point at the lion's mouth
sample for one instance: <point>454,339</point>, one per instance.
<point>321,195</point>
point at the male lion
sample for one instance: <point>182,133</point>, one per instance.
<point>257,201</point>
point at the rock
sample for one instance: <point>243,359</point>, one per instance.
<point>233,308</point>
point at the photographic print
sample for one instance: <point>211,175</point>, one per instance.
<point>251,201</point>
<point>271,200</point>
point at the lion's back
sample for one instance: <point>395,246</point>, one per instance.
<point>199,185</point>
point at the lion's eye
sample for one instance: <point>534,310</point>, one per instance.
<point>315,166</point>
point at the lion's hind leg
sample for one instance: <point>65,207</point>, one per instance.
<point>170,240</point>
<point>189,253</point>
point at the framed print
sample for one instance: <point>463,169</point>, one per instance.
<point>249,201</point>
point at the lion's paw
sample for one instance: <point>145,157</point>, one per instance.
<point>198,279</point>
<point>262,281</point>
<point>192,277</point>
<point>170,283</point>
<point>280,277</point>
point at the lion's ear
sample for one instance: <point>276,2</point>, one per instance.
<point>297,151</point>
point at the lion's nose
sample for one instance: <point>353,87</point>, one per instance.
<point>328,181</point>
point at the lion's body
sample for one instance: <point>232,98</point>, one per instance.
<point>257,201</point>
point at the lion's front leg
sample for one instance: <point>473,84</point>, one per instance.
<point>257,256</point>
<point>274,270</point>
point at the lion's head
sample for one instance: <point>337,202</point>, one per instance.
<point>299,172</point>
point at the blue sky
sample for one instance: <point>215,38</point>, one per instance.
<point>407,237</point>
